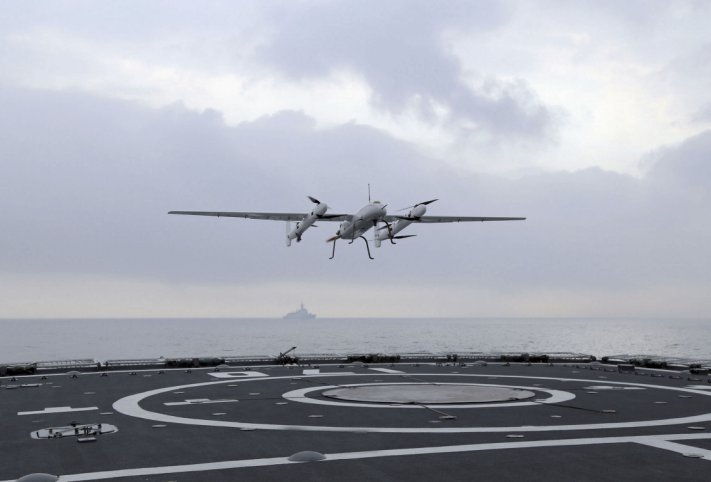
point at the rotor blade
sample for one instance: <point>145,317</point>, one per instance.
<point>313,200</point>
<point>423,203</point>
<point>405,236</point>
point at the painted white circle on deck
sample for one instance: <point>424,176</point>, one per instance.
<point>556,396</point>
<point>130,406</point>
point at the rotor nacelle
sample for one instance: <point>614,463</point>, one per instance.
<point>301,226</point>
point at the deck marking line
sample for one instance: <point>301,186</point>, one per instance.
<point>385,370</point>
<point>654,441</point>
<point>201,401</point>
<point>676,447</point>
<point>57,410</point>
<point>249,374</point>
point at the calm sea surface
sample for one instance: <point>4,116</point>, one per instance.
<point>102,339</point>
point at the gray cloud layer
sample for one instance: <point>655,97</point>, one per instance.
<point>400,49</point>
<point>87,183</point>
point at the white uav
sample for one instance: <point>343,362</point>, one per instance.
<point>353,226</point>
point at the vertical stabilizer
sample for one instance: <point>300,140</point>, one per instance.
<point>288,231</point>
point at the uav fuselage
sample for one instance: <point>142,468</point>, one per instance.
<point>367,217</point>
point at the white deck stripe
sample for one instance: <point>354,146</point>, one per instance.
<point>658,441</point>
<point>385,370</point>
<point>201,401</point>
<point>676,447</point>
<point>57,410</point>
<point>235,374</point>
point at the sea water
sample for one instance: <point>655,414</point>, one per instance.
<point>105,339</point>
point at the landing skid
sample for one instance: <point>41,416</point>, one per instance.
<point>367,247</point>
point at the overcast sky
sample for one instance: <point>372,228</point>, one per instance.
<point>591,118</point>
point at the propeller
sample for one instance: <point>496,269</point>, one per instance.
<point>313,200</point>
<point>423,203</point>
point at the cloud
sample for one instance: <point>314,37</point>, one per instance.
<point>400,49</point>
<point>87,183</point>
<point>685,165</point>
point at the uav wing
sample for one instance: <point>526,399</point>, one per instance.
<point>450,219</point>
<point>263,216</point>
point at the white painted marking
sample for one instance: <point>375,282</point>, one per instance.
<point>249,374</point>
<point>699,387</point>
<point>300,396</point>
<point>678,448</point>
<point>311,371</point>
<point>199,401</point>
<point>58,410</point>
<point>385,370</point>
<point>130,405</point>
<point>608,387</point>
<point>653,441</point>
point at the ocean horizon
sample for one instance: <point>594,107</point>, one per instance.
<point>46,339</point>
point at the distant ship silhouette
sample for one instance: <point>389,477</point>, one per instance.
<point>300,314</point>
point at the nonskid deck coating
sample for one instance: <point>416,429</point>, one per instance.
<point>208,425</point>
<point>427,393</point>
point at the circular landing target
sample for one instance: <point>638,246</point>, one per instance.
<point>403,400</point>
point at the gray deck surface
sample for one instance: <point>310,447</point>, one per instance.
<point>584,423</point>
